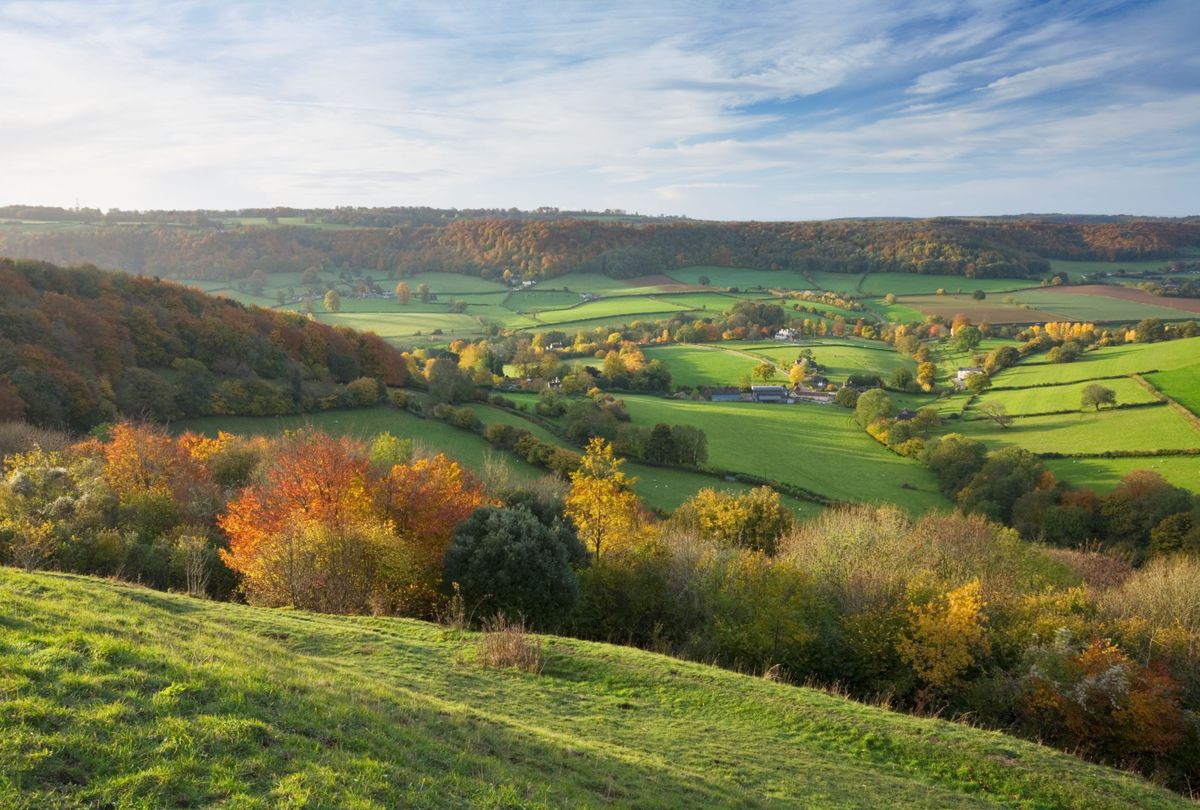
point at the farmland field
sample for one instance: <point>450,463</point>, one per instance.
<point>745,278</point>
<point>917,284</point>
<point>1075,269</point>
<point>1113,361</point>
<point>817,447</point>
<point>119,696</point>
<point>1133,429</point>
<point>993,309</point>
<point>537,300</point>
<point>1102,303</point>
<point>1049,399</point>
<point>840,358</point>
<point>1102,474</point>
<point>697,365</point>
<point>1181,385</point>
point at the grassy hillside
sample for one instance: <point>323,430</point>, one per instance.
<point>121,697</point>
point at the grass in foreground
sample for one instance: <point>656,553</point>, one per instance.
<point>117,696</point>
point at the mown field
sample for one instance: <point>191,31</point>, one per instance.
<point>817,447</point>
<point>118,696</point>
<point>1103,474</point>
<point>1113,361</point>
<point>1128,430</point>
<point>1091,304</point>
<point>841,357</point>
<point>1055,398</point>
<point>1181,385</point>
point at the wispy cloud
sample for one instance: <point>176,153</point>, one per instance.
<point>786,110</point>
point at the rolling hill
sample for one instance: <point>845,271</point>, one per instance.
<point>116,696</point>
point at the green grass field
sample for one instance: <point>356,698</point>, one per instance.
<point>1081,307</point>
<point>745,278</point>
<point>1181,385</point>
<point>1130,430</point>
<point>880,284</point>
<point>1025,401</point>
<point>694,365</point>
<point>1102,474</point>
<point>817,447</point>
<point>841,358</point>
<point>1112,361</point>
<point>118,696</point>
<point>538,300</point>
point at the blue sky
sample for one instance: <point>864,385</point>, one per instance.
<point>750,110</point>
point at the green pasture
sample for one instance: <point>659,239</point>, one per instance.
<point>119,696</point>
<point>1075,269</point>
<point>1111,361</point>
<point>818,447</point>
<point>745,278</point>
<point>1026,401</point>
<point>1126,430</point>
<point>1082,307</point>
<point>702,364</point>
<point>841,358</point>
<point>1181,385</point>
<point>1103,474</point>
<point>527,301</point>
<point>880,284</point>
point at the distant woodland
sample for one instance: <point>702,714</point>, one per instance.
<point>544,244</point>
<point>80,347</point>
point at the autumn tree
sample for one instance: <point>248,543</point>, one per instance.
<point>333,301</point>
<point>403,293</point>
<point>946,636</point>
<point>764,372</point>
<point>601,503</point>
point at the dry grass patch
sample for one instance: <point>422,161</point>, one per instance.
<point>508,644</point>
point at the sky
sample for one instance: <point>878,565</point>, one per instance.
<point>740,110</point>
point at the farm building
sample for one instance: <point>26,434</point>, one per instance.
<point>725,395</point>
<point>964,374</point>
<point>768,393</point>
<point>787,334</point>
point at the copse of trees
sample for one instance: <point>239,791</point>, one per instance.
<point>81,347</point>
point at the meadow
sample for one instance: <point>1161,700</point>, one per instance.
<point>1125,430</point>
<point>1181,385</point>
<point>1112,361</point>
<point>1091,304</point>
<point>119,696</point>
<point>817,447</point>
<point>1103,474</point>
<point>702,364</point>
<point>841,357</point>
<point>1056,398</point>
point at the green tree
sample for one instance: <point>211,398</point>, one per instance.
<point>1096,395</point>
<point>333,301</point>
<point>508,561</point>
<point>764,372</point>
<point>873,406</point>
<point>967,338</point>
<point>424,292</point>
<point>1151,330</point>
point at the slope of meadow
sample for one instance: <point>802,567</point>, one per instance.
<point>116,696</point>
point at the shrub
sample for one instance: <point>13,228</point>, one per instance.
<point>506,644</point>
<point>508,562</point>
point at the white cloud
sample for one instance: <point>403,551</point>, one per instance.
<point>756,111</point>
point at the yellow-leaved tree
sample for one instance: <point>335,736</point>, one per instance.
<point>601,503</point>
<point>945,636</point>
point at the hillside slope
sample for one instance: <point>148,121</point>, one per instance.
<point>118,696</point>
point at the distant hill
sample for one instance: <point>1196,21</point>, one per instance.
<point>547,243</point>
<point>117,696</point>
<point>81,346</point>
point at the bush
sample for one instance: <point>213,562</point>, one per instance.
<point>508,562</point>
<point>506,644</point>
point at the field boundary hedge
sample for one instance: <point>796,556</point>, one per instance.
<point>1184,451</point>
<point>1191,418</point>
<point>1069,382</point>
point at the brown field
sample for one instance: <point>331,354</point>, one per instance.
<point>1135,295</point>
<point>978,311</point>
<point>666,284</point>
